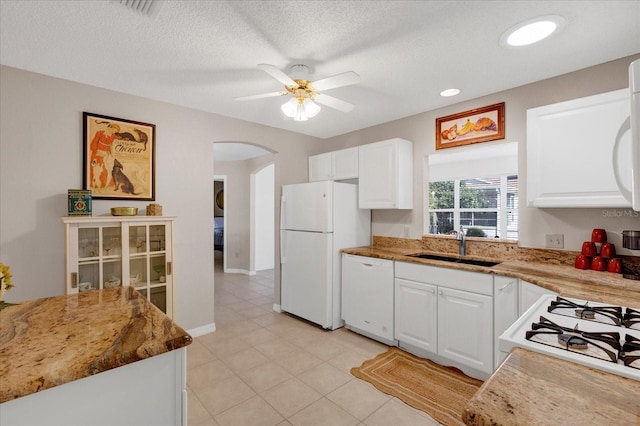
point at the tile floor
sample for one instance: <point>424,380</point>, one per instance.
<point>262,368</point>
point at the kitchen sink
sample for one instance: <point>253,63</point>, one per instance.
<point>456,260</point>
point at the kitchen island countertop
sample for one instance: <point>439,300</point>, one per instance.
<point>48,342</point>
<point>532,388</point>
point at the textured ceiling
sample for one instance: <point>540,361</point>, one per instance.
<point>203,54</point>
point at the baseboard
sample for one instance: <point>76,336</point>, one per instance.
<point>277,308</point>
<point>239,271</point>
<point>202,330</point>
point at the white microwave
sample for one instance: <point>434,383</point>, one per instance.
<point>632,192</point>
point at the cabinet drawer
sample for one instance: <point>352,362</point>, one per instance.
<point>474,282</point>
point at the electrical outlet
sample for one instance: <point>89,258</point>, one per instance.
<point>407,231</point>
<point>554,241</point>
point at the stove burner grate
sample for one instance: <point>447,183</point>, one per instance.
<point>603,345</point>
<point>603,314</point>
<point>632,318</point>
<point>630,353</point>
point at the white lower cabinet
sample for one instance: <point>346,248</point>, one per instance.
<point>367,296</point>
<point>465,328</point>
<point>505,302</point>
<point>529,294</point>
<point>416,314</point>
<point>446,312</point>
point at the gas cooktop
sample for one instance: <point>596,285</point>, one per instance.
<point>596,335</point>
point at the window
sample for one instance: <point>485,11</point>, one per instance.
<point>485,207</point>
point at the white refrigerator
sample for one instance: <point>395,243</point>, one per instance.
<point>317,219</point>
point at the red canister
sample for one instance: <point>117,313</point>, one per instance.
<point>607,250</point>
<point>589,248</point>
<point>615,265</point>
<point>599,263</point>
<point>599,235</point>
<point>582,262</point>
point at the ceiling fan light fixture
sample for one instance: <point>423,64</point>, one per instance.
<point>300,109</point>
<point>532,31</point>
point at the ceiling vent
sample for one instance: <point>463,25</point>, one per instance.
<point>145,7</point>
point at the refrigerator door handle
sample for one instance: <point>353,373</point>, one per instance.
<point>283,211</point>
<point>283,247</point>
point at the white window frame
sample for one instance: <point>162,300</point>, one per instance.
<point>502,210</point>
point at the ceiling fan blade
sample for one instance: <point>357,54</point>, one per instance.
<point>264,95</point>
<point>334,103</point>
<point>338,80</point>
<point>277,74</point>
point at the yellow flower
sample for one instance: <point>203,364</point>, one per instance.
<point>5,280</point>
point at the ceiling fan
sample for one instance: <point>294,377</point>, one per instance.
<point>303,92</point>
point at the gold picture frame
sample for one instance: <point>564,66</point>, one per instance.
<point>118,158</point>
<point>474,126</point>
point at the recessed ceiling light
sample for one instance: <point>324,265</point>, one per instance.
<point>449,92</point>
<point>532,31</point>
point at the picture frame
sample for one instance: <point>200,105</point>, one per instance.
<point>118,158</point>
<point>473,126</point>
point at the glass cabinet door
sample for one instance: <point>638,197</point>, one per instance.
<point>148,261</point>
<point>99,258</point>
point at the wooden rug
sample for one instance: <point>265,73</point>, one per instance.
<point>441,392</point>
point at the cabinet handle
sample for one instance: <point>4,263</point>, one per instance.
<point>369,265</point>
<point>440,292</point>
<point>505,286</point>
<point>74,280</point>
<point>168,268</point>
<point>432,291</point>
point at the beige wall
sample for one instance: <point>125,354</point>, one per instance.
<point>575,224</point>
<point>41,157</point>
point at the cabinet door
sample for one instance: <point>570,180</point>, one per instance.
<point>505,310</point>
<point>320,167</point>
<point>416,314</point>
<point>94,257</point>
<point>149,262</point>
<point>345,164</point>
<point>465,328</point>
<point>570,150</point>
<point>385,171</point>
<point>529,294</point>
<point>367,295</point>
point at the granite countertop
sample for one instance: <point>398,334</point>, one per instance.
<point>532,388</point>
<point>52,341</point>
<point>562,279</point>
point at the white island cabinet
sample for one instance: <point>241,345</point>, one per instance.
<point>100,358</point>
<point>367,296</point>
<point>386,175</point>
<point>112,251</point>
<point>150,392</point>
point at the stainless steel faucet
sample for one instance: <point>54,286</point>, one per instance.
<point>461,241</point>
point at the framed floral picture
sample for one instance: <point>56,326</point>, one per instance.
<point>473,126</point>
<point>118,158</point>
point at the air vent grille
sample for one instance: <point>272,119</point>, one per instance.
<point>144,7</point>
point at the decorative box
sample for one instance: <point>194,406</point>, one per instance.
<point>79,202</point>
<point>154,210</point>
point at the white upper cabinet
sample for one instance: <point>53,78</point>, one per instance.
<point>386,175</point>
<point>335,165</point>
<point>571,152</point>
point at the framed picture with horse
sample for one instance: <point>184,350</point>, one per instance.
<point>118,158</point>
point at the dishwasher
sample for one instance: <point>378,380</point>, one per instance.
<point>367,296</point>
